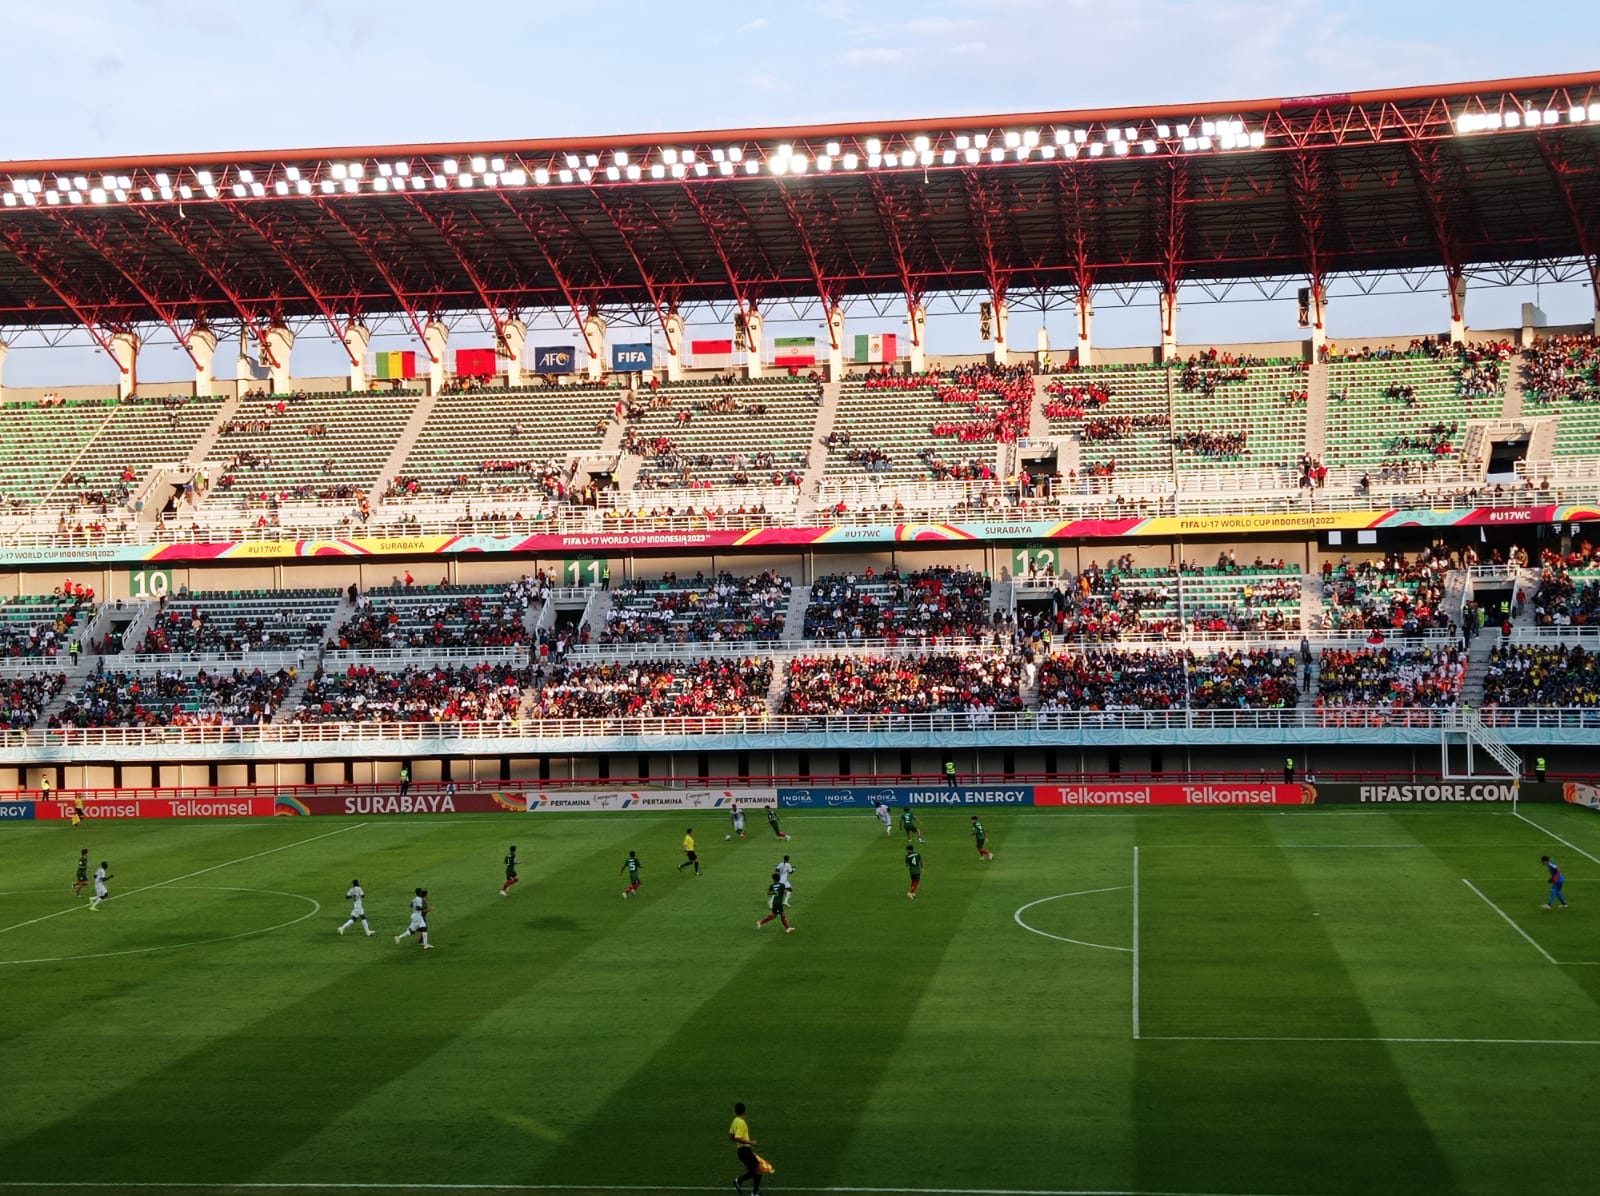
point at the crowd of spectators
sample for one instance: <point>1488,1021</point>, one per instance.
<point>445,618</point>
<point>198,629</point>
<point>1108,679</point>
<point>23,697</point>
<point>47,626</point>
<point>699,610</point>
<point>725,687</point>
<point>169,698</point>
<point>1542,675</point>
<point>1563,600</point>
<point>433,694</point>
<point>1392,677</point>
<point>1393,594</point>
<point>1212,444</point>
<point>972,684</point>
<point>1562,367</point>
<point>925,605</point>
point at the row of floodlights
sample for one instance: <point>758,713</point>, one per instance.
<point>353,177</point>
<point>1530,117</point>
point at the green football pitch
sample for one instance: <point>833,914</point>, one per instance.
<point>1317,1001</point>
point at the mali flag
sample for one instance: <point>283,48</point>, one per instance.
<point>398,364</point>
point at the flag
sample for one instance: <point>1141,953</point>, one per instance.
<point>711,355</point>
<point>794,350</point>
<point>475,363</point>
<point>875,348</point>
<point>398,364</point>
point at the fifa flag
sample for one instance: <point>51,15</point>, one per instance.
<point>794,350</point>
<point>711,355</point>
<point>875,348</point>
<point>399,364</point>
<point>475,363</point>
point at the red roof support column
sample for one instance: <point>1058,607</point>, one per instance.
<point>1562,170</point>
<point>285,253</point>
<point>1172,216</point>
<point>655,293</point>
<point>830,295</point>
<point>1079,204</point>
<point>98,241</point>
<point>1428,166</point>
<point>178,231</point>
<point>713,232</point>
<point>37,261</point>
<point>446,231</point>
<point>889,219</point>
<point>557,271</point>
<point>395,289</point>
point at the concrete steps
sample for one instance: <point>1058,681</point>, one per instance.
<point>1317,409</point>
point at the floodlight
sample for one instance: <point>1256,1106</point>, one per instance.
<point>338,171</point>
<point>1594,111</point>
<point>566,176</point>
<point>591,160</point>
<point>541,176</point>
<point>351,186</point>
<point>725,167</point>
<point>1121,148</point>
<point>634,172</point>
<point>498,165</point>
<point>1512,119</point>
<point>1163,131</point>
<point>490,178</point>
<point>1227,141</point>
<point>1148,146</point>
<point>327,188</point>
<point>585,174</point>
<point>797,164</point>
<point>1183,130</point>
<point>52,197</point>
<point>948,157</point>
<point>384,170</point>
<point>613,173</point>
<point>10,199</point>
<point>1208,128</point>
<point>75,196</point>
<point>1071,149</point>
<point>670,156</point>
<point>752,167</point>
<point>107,182</point>
<point>1013,140</point>
<point>701,170</point>
<point>402,168</point>
<point>908,158</point>
<point>1191,144</point>
<point>1114,134</point>
<point>97,195</point>
<point>824,162</point>
<point>463,179</point>
<point>515,178</point>
<point>1257,139</point>
<point>874,146</point>
<point>997,154</point>
<point>1551,116</point>
<point>981,140</point>
<point>874,160</point>
<point>239,190</point>
<point>1576,113</point>
<point>1205,143</point>
<point>920,142</point>
<point>121,194</point>
<point>357,170</point>
<point>962,141</point>
<point>618,158</point>
<point>1030,138</point>
<point>833,149</point>
<point>280,188</point>
<point>971,156</point>
<point>1130,134</point>
<point>418,183</point>
<point>451,166</point>
<point>572,161</point>
<point>1096,149</point>
<point>246,176</point>
<point>658,171</point>
<point>1080,136</point>
<point>146,194</point>
<point>1047,151</point>
<point>735,153</point>
<point>292,173</point>
<point>777,165</point>
<point>63,184</point>
<point>212,192</point>
<point>302,187</point>
<point>380,184</point>
<point>203,177</point>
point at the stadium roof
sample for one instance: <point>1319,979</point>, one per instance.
<point>1451,176</point>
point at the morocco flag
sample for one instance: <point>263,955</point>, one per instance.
<point>875,348</point>
<point>475,363</point>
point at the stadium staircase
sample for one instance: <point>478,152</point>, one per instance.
<point>817,458</point>
<point>408,437</point>
<point>1317,409</point>
<point>1312,612</point>
<point>1512,377</point>
<point>794,618</point>
<point>207,443</point>
<point>1038,421</point>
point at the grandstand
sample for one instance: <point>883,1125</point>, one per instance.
<point>764,559</point>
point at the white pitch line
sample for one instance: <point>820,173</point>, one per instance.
<point>1136,943</point>
<point>1061,938</point>
<point>1590,1042</point>
<point>73,1185</point>
<point>1556,837</point>
<point>1532,942</point>
<point>316,908</point>
<point>186,876</point>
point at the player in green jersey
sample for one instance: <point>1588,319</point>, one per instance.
<point>909,823</point>
<point>772,821</point>
<point>511,871</point>
<point>83,873</point>
<point>631,867</point>
<point>913,866</point>
<point>776,892</point>
<point>982,838</point>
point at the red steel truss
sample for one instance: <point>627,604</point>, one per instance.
<point>1456,177</point>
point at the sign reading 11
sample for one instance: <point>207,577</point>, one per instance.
<point>584,571</point>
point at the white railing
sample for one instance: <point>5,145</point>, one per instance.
<point>335,658</point>
<point>1045,723</point>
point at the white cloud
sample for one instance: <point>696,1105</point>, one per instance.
<point>752,26</point>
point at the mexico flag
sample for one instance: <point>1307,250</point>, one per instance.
<point>875,348</point>
<point>794,350</point>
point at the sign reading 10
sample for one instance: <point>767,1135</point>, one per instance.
<point>150,583</point>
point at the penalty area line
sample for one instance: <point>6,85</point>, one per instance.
<point>1531,941</point>
<point>1553,835</point>
<point>1377,1038</point>
<point>161,884</point>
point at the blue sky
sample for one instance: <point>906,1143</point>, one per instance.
<point>153,76</point>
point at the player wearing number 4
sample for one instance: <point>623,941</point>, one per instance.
<point>913,866</point>
<point>1557,883</point>
<point>357,897</point>
<point>982,838</point>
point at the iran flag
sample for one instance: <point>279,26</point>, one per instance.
<point>875,348</point>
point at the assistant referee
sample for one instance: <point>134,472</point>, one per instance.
<point>739,1134</point>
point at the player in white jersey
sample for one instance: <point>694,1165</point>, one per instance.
<point>737,814</point>
<point>882,811</point>
<point>786,872</point>
<point>358,910</point>
<point>101,875</point>
<point>419,920</point>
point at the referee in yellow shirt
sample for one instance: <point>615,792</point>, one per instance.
<point>690,860</point>
<point>739,1134</point>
